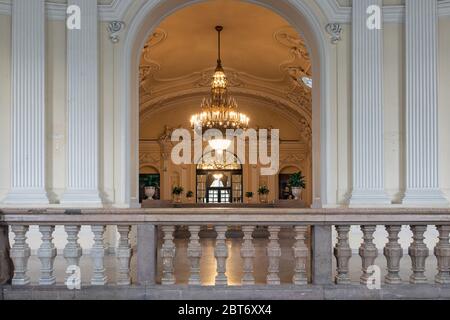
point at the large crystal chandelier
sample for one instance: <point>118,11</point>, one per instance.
<point>219,111</point>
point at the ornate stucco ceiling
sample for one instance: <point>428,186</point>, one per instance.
<point>263,56</point>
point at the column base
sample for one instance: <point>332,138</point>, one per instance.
<point>425,198</point>
<point>369,197</point>
<point>27,197</point>
<point>82,198</point>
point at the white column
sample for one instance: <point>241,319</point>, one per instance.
<point>368,137</point>
<point>28,104</point>
<point>422,175</point>
<point>83,109</point>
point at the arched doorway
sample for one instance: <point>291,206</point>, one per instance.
<point>302,15</point>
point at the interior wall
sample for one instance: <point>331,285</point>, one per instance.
<point>340,82</point>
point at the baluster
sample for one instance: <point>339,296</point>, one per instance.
<point>368,251</point>
<point>343,253</point>
<point>221,254</point>
<point>20,253</point>
<point>301,256</point>
<point>194,253</point>
<point>124,256</point>
<point>248,255</point>
<point>393,252</point>
<point>98,250</point>
<point>72,251</point>
<point>47,255</point>
<point>442,252</point>
<point>168,255</point>
<point>418,252</point>
<point>274,254</point>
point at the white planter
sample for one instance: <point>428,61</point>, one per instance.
<point>297,192</point>
<point>150,192</point>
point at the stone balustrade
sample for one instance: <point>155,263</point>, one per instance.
<point>312,248</point>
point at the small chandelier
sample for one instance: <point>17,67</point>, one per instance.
<point>219,111</point>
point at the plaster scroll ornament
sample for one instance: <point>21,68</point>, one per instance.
<point>335,31</point>
<point>114,29</point>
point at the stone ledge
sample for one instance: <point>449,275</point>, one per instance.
<point>284,292</point>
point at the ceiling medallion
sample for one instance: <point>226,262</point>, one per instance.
<point>219,111</point>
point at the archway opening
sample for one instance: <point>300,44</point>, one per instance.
<point>308,122</point>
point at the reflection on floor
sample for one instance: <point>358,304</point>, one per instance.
<point>234,264</point>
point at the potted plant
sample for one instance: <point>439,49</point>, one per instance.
<point>297,183</point>
<point>249,196</point>
<point>189,195</point>
<point>263,192</point>
<point>150,190</point>
<point>177,191</point>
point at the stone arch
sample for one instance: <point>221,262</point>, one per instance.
<point>303,15</point>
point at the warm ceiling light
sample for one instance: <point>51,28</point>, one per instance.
<point>219,111</point>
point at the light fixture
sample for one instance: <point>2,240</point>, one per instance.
<point>219,111</point>
<point>307,81</point>
<point>219,144</point>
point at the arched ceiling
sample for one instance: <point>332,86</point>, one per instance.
<point>263,57</point>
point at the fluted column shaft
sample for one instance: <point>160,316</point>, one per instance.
<point>368,122</point>
<point>83,109</point>
<point>422,176</point>
<point>28,104</point>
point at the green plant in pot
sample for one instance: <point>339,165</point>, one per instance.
<point>263,193</point>
<point>150,190</point>
<point>189,195</point>
<point>249,196</point>
<point>297,183</point>
<point>177,191</point>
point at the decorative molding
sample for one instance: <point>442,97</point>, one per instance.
<point>391,14</point>
<point>286,108</point>
<point>331,8</point>
<point>114,29</point>
<point>28,138</point>
<point>367,111</point>
<point>82,182</point>
<point>422,165</point>
<point>335,31</point>
<point>57,11</point>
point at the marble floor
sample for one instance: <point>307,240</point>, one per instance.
<point>234,264</point>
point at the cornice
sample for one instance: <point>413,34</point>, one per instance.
<point>392,14</point>
<point>57,11</point>
<point>332,9</point>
